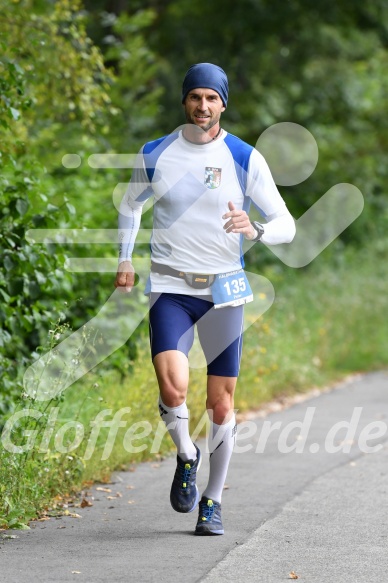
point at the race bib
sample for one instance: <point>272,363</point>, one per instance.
<point>231,289</point>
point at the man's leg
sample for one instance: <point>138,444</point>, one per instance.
<point>171,326</point>
<point>220,334</point>
<point>172,372</point>
<point>220,393</point>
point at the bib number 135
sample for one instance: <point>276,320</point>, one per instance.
<point>231,289</point>
<point>235,286</point>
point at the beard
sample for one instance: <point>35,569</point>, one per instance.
<point>190,118</point>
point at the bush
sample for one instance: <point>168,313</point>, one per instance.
<point>32,285</point>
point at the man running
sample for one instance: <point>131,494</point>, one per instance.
<point>203,180</point>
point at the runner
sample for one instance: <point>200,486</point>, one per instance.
<point>203,180</point>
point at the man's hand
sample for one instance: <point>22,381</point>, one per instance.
<point>125,278</point>
<point>238,222</point>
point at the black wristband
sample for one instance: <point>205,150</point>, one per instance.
<point>259,230</point>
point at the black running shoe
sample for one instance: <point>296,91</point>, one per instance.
<point>184,493</point>
<point>209,518</point>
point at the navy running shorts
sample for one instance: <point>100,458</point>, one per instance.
<point>172,318</point>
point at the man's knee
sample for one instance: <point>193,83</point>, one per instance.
<point>171,395</point>
<point>220,409</point>
<point>172,373</point>
<point>220,398</point>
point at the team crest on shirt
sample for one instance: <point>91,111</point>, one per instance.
<point>212,177</point>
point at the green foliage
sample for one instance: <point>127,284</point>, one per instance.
<point>54,98</point>
<point>325,323</point>
<point>136,92</point>
<point>321,65</point>
<point>32,284</point>
<point>65,75</point>
<point>31,473</point>
<point>12,90</point>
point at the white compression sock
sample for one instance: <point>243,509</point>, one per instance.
<point>177,422</point>
<point>223,440</point>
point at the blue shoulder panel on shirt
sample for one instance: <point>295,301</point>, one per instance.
<point>241,152</point>
<point>152,151</point>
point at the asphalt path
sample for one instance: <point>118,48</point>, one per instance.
<point>306,498</point>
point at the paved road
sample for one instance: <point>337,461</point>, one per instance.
<point>317,512</point>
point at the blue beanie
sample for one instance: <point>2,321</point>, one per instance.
<point>209,76</point>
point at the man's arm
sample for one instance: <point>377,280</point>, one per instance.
<point>129,223</point>
<point>139,190</point>
<point>261,189</point>
<point>279,228</point>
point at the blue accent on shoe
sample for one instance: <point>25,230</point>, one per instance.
<point>184,493</point>
<point>209,518</point>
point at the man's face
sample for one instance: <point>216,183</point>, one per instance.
<point>203,107</point>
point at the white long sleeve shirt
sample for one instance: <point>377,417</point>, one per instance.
<point>191,185</point>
